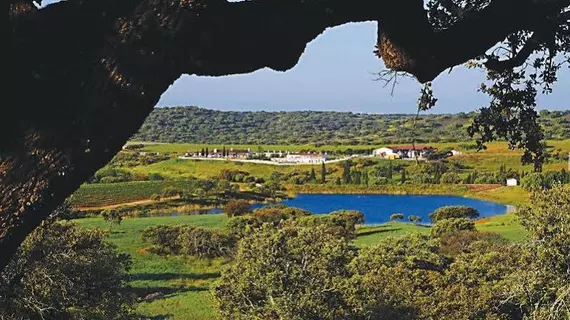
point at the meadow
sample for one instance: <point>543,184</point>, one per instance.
<point>177,288</point>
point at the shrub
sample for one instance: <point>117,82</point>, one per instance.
<point>453,212</point>
<point>112,217</point>
<point>460,242</point>
<point>397,216</point>
<point>242,225</point>
<point>163,238</point>
<point>188,240</point>
<point>339,223</point>
<point>282,273</point>
<point>277,213</point>
<point>447,227</point>
<point>237,208</point>
<point>415,219</point>
<point>112,175</point>
<point>450,178</point>
<point>535,181</point>
<point>170,192</point>
<point>62,271</point>
<point>155,177</point>
<point>196,241</point>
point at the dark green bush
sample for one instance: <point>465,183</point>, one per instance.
<point>447,227</point>
<point>163,238</point>
<point>453,212</point>
<point>196,241</point>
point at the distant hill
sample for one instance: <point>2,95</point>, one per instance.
<point>197,125</point>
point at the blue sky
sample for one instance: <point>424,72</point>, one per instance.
<point>337,73</point>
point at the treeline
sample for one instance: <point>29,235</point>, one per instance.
<point>197,125</point>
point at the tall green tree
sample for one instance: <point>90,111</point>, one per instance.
<point>313,175</point>
<point>323,173</point>
<point>346,176</point>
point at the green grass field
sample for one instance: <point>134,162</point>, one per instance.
<point>185,281</point>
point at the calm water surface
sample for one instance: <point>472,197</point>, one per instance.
<point>378,208</point>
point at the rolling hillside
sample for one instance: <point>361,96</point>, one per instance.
<point>197,125</point>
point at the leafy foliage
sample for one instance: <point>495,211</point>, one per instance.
<point>450,212</point>
<point>196,125</point>
<point>448,227</point>
<point>237,208</point>
<point>189,240</point>
<point>64,272</point>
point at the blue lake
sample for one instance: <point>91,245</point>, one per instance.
<point>378,208</point>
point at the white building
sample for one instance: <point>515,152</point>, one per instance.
<point>383,152</point>
<point>303,158</point>
<point>402,152</point>
<point>456,152</point>
<point>512,182</point>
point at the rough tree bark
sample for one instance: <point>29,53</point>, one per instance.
<point>84,74</point>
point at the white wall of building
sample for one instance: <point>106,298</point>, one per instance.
<point>382,152</point>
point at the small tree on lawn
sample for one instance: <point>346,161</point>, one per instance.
<point>397,217</point>
<point>415,219</point>
<point>112,217</point>
<point>237,208</point>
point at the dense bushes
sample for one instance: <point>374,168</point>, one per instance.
<point>544,180</point>
<point>64,272</point>
<point>237,208</point>
<point>302,270</point>
<point>286,273</point>
<point>309,273</point>
<point>189,240</point>
<point>339,223</point>
<point>277,213</point>
<point>112,175</point>
<point>453,212</point>
<point>448,227</point>
<point>201,242</point>
<point>163,238</point>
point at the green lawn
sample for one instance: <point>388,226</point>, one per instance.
<point>507,225</point>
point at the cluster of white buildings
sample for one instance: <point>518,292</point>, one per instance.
<point>407,152</point>
<point>303,158</point>
<point>403,152</point>
<point>284,157</point>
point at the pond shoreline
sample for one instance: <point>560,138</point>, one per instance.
<point>495,193</point>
